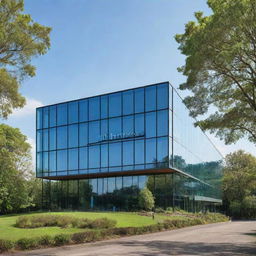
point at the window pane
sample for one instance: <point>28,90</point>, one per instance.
<point>45,117</point>
<point>52,161</point>
<point>94,157</point>
<point>104,130</point>
<point>150,98</point>
<point>128,125</point>
<point>162,123</point>
<point>39,138</point>
<point>151,151</point>
<point>61,114</point>
<point>73,159</point>
<point>115,154</point>
<point>128,153</point>
<point>39,162</point>
<point>104,155</point>
<point>115,104</point>
<point>45,162</point>
<point>52,116</point>
<point>114,126</point>
<point>52,138</point>
<point>83,110</point>
<point>62,160</point>
<point>139,100</point>
<point>62,137</point>
<point>162,149</point>
<point>45,140</point>
<point>127,181</point>
<point>94,131</point>
<point>104,106</point>
<point>83,134</point>
<point>73,112</point>
<point>83,162</point>
<point>73,136</point>
<point>139,125</point>
<point>150,124</point>
<point>162,96</point>
<point>94,108</point>
<point>119,182</point>
<point>39,118</point>
<point>139,152</point>
<point>111,185</point>
<point>128,103</point>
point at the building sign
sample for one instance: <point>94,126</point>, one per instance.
<point>120,136</point>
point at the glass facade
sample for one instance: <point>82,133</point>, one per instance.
<point>125,134</point>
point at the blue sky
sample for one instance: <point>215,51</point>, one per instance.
<point>99,46</point>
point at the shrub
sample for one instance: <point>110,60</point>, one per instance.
<point>45,240</point>
<point>102,223</point>
<point>5,245</point>
<point>84,237</point>
<point>62,239</point>
<point>146,199</point>
<point>23,222</point>
<point>27,243</point>
<point>65,221</point>
<point>159,210</point>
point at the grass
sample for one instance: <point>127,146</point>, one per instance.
<point>124,219</point>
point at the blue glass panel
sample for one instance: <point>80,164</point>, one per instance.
<point>62,114</point>
<point>162,123</point>
<point>45,162</point>
<point>128,153</point>
<point>104,155</point>
<point>151,151</point>
<point>94,156</point>
<point>128,106</point>
<point>94,108</point>
<point>115,154</point>
<point>52,134</point>
<point>73,112</point>
<point>142,181</point>
<point>139,124</point>
<point>162,149</point>
<point>115,126</point>
<point>104,129</point>
<point>45,117</point>
<point>39,142</point>
<point>52,161</point>
<point>83,134</point>
<point>162,96</point>
<point>39,118</point>
<point>139,152</point>
<point>39,162</point>
<point>62,156</point>
<point>150,124</point>
<point>128,123</point>
<point>105,185</point>
<point>127,181</point>
<point>83,110</point>
<point>45,140</point>
<point>83,158</point>
<point>73,159</point>
<point>94,131</point>
<point>115,104</point>
<point>119,182</point>
<point>104,106</point>
<point>150,93</point>
<point>62,141</point>
<point>111,185</point>
<point>73,136</point>
<point>53,118</point>
<point>139,100</point>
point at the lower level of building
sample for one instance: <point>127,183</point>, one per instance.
<point>120,193</point>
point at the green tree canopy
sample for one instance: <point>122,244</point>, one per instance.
<point>146,199</point>
<point>20,39</point>
<point>15,170</point>
<point>220,67</point>
<point>239,182</point>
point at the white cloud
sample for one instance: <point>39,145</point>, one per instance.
<point>28,109</point>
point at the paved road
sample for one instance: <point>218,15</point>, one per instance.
<point>232,238</point>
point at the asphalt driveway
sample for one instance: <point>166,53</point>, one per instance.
<point>232,238</point>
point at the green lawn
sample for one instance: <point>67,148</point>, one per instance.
<point>124,219</point>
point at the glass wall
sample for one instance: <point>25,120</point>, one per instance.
<point>122,131</point>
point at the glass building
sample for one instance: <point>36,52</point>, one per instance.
<point>99,152</point>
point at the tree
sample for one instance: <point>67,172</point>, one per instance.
<point>146,199</point>
<point>239,183</point>
<point>15,170</point>
<point>20,39</point>
<point>221,69</point>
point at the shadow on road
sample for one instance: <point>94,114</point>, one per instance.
<point>184,248</point>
